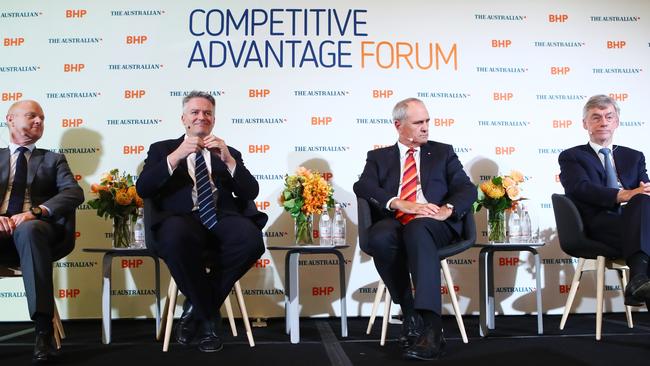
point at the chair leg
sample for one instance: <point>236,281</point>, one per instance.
<point>58,327</point>
<point>600,288</point>
<point>172,293</point>
<point>231,318</point>
<point>572,293</point>
<point>454,300</point>
<point>384,321</point>
<point>163,319</point>
<point>244,314</point>
<point>375,304</point>
<point>622,275</point>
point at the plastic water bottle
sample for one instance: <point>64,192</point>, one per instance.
<point>138,230</point>
<point>338,227</point>
<point>325,228</point>
<point>526,229</point>
<point>514,227</point>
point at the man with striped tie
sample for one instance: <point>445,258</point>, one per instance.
<point>202,195</point>
<point>421,192</point>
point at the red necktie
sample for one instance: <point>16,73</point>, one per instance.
<point>409,186</point>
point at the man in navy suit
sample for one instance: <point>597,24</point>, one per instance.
<point>421,192</point>
<point>37,193</point>
<point>202,195</point>
<point>609,185</point>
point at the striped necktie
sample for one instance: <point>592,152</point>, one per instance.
<point>610,173</point>
<point>409,187</point>
<point>17,197</point>
<point>207,208</point>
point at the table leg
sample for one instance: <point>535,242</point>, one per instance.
<point>157,275</point>
<point>344,308</point>
<point>287,290</point>
<point>106,298</point>
<point>483,329</point>
<point>294,295</point>
<point>490,288</point>
<point>538,283</point>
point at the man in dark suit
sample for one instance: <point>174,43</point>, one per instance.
<point>38,191</point>
<point>609,185</point>
<point>421,191</point>
<point>202,194</point>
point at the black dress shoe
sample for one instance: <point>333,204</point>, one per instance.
<point>44,348</point>
<point>210,340</point>
<point>637,291</point>
<point>429,346</point>
<point>412,328</point>
<point>187,324</point>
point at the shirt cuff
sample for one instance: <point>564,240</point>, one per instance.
<point>169,166</point>
<point>389,202</point>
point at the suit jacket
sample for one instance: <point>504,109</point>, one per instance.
<point>172,194</point>
<point>584,181</point>
<point>441,176</point>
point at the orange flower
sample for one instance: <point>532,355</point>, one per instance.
<point>95,188</point>
<point>122,197</point>
<point>492,190</point>
<point>517,176</point>
<point>514,193</point>
<point>508,182</point>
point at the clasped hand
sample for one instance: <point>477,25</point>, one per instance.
<point>422,209</point>
<point>9,224</point>
<point>194,144</point>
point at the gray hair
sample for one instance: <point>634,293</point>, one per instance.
<point>600,101</point>
<point>198,94</point>
<point>399,111</point>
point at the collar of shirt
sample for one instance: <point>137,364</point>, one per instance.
<point>403,150</point>
<point>13,147</point>
<point>597,148</point>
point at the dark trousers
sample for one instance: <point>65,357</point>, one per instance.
<point>399,249</point>
<point>233,246</point>
<point>33,246</point>
<point>628,231</point>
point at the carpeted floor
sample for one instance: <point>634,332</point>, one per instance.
<point>513,342</point>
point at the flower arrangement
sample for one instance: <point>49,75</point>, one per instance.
<point>499,194</point>
<point>116,198</point>
<point>304,194</point>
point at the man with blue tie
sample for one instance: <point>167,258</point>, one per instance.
<point>202,195</point>
<point>420,191</point>
<point>37,192</point>
<point>610,187</point>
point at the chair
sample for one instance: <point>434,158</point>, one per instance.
<point>172,292</point>
<point>591,254</point>
<point>365,220</point>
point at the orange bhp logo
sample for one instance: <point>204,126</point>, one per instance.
<point>75,13</point>
<point>616,44</point>
<point>136,39</point>
<point>620,97</point>
<point>134,94</point>
<point>502,96</point>
<point>322,291</point>
<point>133,149</point>
<point>77,234</point>
<point>258,93</point>
<point>69,293</point>
<point>13,42</point>
<point>501,43</point>
<point>262,205</point>
<point>562,123</point>
<point>73,67</point>
<point>8,96</point>
<point>564,289</point>
<point>78,177</point>
<point>262,263</point>
<point>71,122</point>
<point>558,18</point>
<point>443,122</point>
<point>132,263</point>
<point>258,149</point>
<point>504,150</point>
<point>445,291</point>
<point>509,261</point>
<point>327,176</point>
<point>321,121</point>
<point>382,93</point>
<point>560,70</point>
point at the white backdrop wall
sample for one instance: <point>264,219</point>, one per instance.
<point>313,84</point>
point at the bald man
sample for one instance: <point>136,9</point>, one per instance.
<point>38,190</point>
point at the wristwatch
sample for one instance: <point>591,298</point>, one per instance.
<point>450,206</point>
<point>36,211</point>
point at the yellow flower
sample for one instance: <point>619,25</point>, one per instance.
<point>492,190</point>
<point>132,192</point>
<point>508,182</point>
<point>122,198</point>
<point>517,176</point>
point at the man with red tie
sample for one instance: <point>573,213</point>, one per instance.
<point>610,187</point>
<point>421,192</point>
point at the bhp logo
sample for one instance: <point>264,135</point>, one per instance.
<point>71,122</point>
<point>502,96</point>
<point>560,70</point>
<point>263,263</point>
<point>134,94</point>
<point>258,93</point>
<point>622,97</point>
<point>132,149</point>
<point>13,42</point>
<point>445,291</point>
<point>509,261</point>
<point>76,13</point>
<point>443,122</point>
<point>615,44</point>
<point>73,67</point>
<point>564,289</point>
<point>258,149</point>
<point>501,43</point>
<point>77,234</point>
<point>132,263</point>
<point>69,293</point>
<point>262,205</point>
<point>382,93</point>
<point>327,176</point>
<point>558,18</point>
<point>562,123</point>
<point>77,177</point>
<point>321,120</point>
<point>322,291</point>
<point>8,96</point>
<point>136,39</point>
<point>504,150</point>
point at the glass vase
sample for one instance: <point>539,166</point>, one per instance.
<point>122,232</point>
<point>496,226</point>
<point>303,229</point>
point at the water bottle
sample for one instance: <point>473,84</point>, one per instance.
<point>526,229</point>
<point>514,227</point>
<point>325,228</point>
<point>138,230</point>
<point>338,227</point>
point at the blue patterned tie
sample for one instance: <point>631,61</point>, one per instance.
<point>207,209</point>
<point>612,182</point>
<point>17,197</point>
